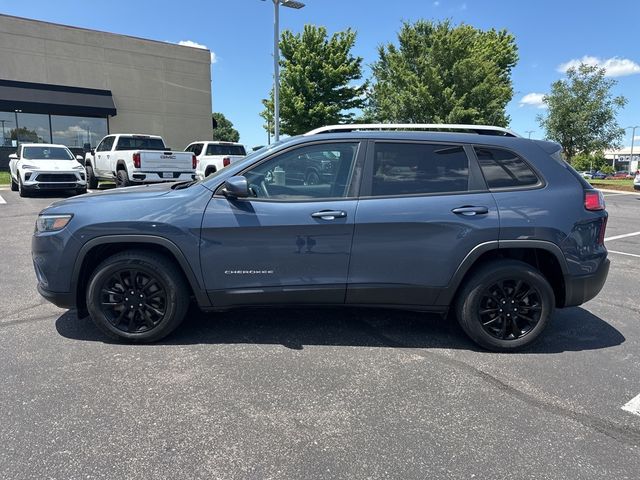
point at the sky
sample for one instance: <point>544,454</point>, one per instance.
<point>550,35</point>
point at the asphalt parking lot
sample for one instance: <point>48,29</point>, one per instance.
<point>317,393</point>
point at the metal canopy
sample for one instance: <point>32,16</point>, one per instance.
<point>51,99</point>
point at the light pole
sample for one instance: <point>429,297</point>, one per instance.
<point>276,60</point>
<point>4,136</point>
<point>633,137</point>
<point>529,132</point>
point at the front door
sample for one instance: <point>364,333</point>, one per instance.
<point>290,242</point>
<point>423,208</point>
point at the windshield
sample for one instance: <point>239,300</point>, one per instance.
<point>46,153</point>
<point>214,149</point>
<point>140,143</point>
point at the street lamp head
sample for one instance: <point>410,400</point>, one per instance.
<point>292,4</point>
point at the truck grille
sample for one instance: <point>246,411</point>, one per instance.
<point>56,177</point>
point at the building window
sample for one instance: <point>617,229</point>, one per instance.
<point>78,132</point>
<point>33,128</point>
<point>7,126</point>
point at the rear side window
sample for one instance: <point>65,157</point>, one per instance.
<point>416,168</point>
<point>213,149</point>
<point>504,169</point>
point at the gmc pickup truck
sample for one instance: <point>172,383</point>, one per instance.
<point>130,159</point>
<point>213,156</point>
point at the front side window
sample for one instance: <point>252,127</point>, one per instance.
<point>312,172</point>
<point>196,148</point>
<point>418,168</point>
<point>46,153</point>
<point>504,169</point>
<point>105,145</point>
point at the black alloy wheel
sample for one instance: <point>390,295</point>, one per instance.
<point>312,178</point>
<point>504,305</point>
<point>510,309</point>
<point>137,296</point>
<point>133,301</point>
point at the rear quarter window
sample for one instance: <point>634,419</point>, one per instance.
<point>504,169</point>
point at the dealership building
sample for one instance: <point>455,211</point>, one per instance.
<point>72,86</point>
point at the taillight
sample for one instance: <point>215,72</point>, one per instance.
<point>593,200</point>
<point>194,161</point>
<point>136,160</point>
<point>226,161</point>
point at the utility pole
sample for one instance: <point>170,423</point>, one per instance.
<point>529,132</point>
<point>633,137</point>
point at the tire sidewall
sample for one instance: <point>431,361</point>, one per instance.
<point>92,181</point>
<point>122,179</point>
<point>104,272</point>
<point>471,297</point>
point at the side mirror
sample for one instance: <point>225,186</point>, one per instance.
<point>80,158</point>
<point>236,187</point>
<point>13,156</point>
<point>93,151</point>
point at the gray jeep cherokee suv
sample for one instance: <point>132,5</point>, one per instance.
<point>476,220</point>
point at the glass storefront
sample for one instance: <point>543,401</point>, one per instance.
<point>78,132</point>
<point>73,132</point>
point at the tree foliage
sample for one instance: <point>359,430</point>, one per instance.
<point>224,131</point>
<point>440,73</point>
<point>589,161</point>
<point>316,88</point>
<point>582,112</point>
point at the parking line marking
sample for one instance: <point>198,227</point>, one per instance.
<point>633,405</point>
<point>613,194</point>
<point>2,201</point>
<point>624,253</point>
<point>608,239</point>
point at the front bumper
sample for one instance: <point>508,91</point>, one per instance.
<point>59,299</point>
<point>53,180</point>
<point>582,288</point>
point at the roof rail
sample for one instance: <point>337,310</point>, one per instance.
<point>479,129</point>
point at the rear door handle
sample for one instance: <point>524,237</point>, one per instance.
<point>470,210</point>
<point>329,214</point>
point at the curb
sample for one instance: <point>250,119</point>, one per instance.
<point>618,191</point>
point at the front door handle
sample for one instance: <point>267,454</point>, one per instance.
<point>470,210</point>
<point>329,214</point>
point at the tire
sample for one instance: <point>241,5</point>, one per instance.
<point>312,178</point>
<point>493,301</point>
<point>92,181</point>
<point>122,179</point>
<point>165,296</point>
<point>14,185</point>
<point>23,192</point>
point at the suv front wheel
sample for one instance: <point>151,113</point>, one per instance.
<point>505,305</point>
<point>137,296</point>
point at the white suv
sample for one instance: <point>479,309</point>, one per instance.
<point>213,156</point>
<point>636,181</point>
<point>44,166</point>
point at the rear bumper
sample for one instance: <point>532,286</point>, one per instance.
<point>158,177</point>
<point>59,299</point>
<point>581,289</point>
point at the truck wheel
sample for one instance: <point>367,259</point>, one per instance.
<point>14,185</point>
<point>122,179</point>
<point>137,296</point>
<point>92,181</point>
<point>505,305</point>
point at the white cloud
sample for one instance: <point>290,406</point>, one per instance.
<point>614,66</point>
<point>191,43</point>
<point>636,138</point>
<point>533,99</point>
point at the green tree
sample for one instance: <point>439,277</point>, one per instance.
<point>316,88</point>
<point>25,135</point>
<point>589,161</point>
<point>441,73</point>
<point>224,130</point>
<point>582,112</point>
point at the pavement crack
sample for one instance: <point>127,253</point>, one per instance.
<point>621,433</point>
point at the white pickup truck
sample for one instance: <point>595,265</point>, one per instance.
<point>132,159</point>
<point>212,156</point>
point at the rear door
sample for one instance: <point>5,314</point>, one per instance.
<point>423,207</point>
<point>289,243</point>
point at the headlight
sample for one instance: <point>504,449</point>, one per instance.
<point>51,223</point>
<point>29,167</point>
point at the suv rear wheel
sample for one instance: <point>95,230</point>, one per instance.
<point>505,305</point>
<point>137,296</point>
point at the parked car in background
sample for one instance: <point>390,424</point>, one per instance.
<point>212,156</point>
<point>636,181</point>
<point>130,159</point>
<point>44,166</point>
<point>598,175</point>
<point>496,228</point>
<point>586,174</point>
<point>619,176</point>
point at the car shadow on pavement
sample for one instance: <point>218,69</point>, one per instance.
<point>573,329</point>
